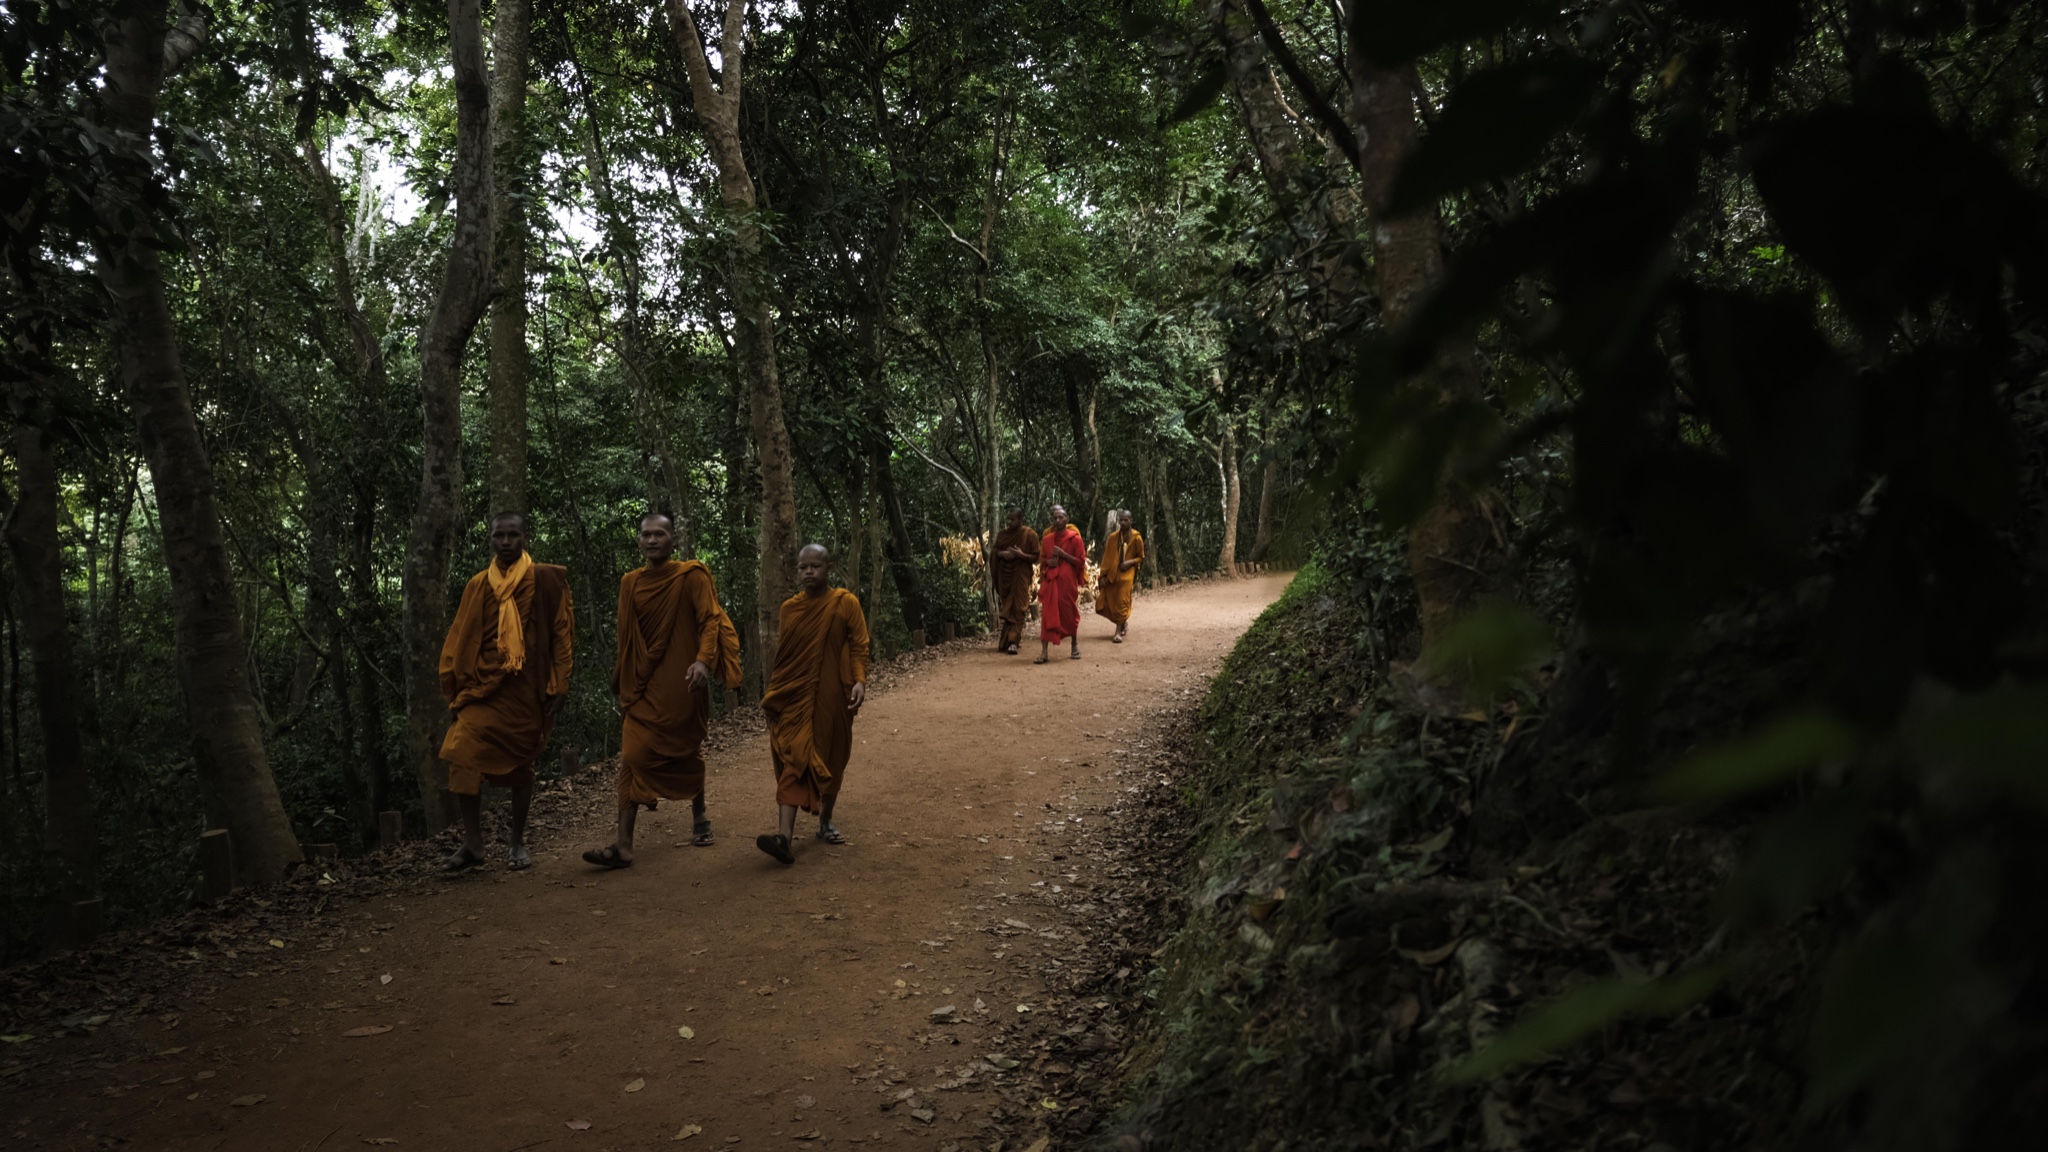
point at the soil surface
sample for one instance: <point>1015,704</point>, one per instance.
<point>863,996</point>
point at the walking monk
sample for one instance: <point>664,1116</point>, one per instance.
<point>1122,551</point>
<point>1016,553</point>
<point>1062,566</point>
<point>504,669</point>
<point>816,689</point>
<point>673,639</point>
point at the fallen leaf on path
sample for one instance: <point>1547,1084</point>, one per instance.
<point>945,1015</point>
<point>277,943</point>
<point>384,979</point>
<point>1043,1143</point>
<point>206,1075</point>
<point>504,1000</point>
<point>558,960</point>
<point>636,1085</point>
<point>811,1135</point>
<point>688,1130</point>
<point>1049,1104</point>
<point>368,1030</point>
<point>687,1032</point>
<point>1432,957</point>
<point>380,1140</point>
<point>923,1115</point>
<point>1023,1008</point>
<point>806,1101</point>
<point>247,1101</point>
<point>170,1051</point>
<point>17,1038</point>
<point>578,1125</point>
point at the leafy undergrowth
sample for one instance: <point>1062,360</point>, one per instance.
<point>1341,945</point>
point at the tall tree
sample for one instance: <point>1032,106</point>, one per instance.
<point>212,657</point>
<point>458,308</point>
<point>69,835</point>
<point>717,102</point>
<point>510,190</point>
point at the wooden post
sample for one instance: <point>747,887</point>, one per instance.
<point>216,865</point>
<point>916,639</point>
<point>88,920</point>
<point>952,630</point>
<point>390,829</point>
<point>732,701</point>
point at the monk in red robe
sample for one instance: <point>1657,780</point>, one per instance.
<point>504,670</point>
<point>816,689</point>
<point>1062,568</point>
<point>674,639</point>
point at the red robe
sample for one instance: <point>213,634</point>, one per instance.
<point>1059,584</point>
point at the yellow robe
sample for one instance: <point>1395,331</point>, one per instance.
<point>500,723</point>
<point>822,651</point>
<point>1114,586</point>
<point>669,618</point>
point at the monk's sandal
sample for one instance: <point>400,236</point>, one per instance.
<point>700,835</point>
<point>461,861</point>
<point>775,845</point>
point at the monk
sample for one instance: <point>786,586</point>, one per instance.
<point>1122,551</point>
<point>673,638</point>
<point>816,689</point>
<point>1016,553</point>
<point>504,670</point>
<point>1062,566</point>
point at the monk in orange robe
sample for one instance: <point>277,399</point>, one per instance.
<point>817,687</point>
<point>1016,554</point>
<point>504,670</point>
<point>1122,551</point>
<point>674,638</point>
<point>1062,566</point>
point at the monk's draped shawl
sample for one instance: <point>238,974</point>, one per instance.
<point>500,725</point>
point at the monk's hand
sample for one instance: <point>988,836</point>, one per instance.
<point>699,676</point>
<point>855,695</point>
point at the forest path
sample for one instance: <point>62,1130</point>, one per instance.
<point>520,1002</point>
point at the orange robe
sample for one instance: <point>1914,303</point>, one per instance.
<point>822,652</point>
<point>669,618</point>
<point>1013,580</point>
<point>1113,586</point>
<point>500,725</point>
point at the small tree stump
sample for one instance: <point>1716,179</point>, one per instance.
<point>216,865</point>
<point>390,829</point>
<point>952,630</point>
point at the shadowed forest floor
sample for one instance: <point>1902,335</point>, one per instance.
<point>950,979</point>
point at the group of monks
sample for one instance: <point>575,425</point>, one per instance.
<point>506,661</point>
<point>505,669</point>
<point>1060,558</point>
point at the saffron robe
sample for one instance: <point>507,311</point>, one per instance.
<point>669,618</point>
<point>500,723</point>
<point>1113,587</point>
<point>1059,584</point>
<point>821,652</point>
<point>1013,580</point>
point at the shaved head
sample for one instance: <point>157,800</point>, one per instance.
<point>814,568</point>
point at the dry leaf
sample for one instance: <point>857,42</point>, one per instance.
<point>368,1030</point>
<point>1043,1143</point>
<point>687,1131</point>
<point>384,979</point>
<point>687,1032</point>
<point>636,1085</point>
<point>1432,957</point>
<point>379,1140</point>
<point>1049,1104</point>
<point>811,1135</point>
<point>578,1125</point>
<point>504,1000</point>
<point>806,1101</point>
<point>277,943</point>
<point>247,1101</point>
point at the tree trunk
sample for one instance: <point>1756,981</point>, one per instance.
<point>1226,475</point>
<point>1269,476</point>
<point>1087,453</point>
<point>212,659</point>
<point>1148,490</point>
<point>69,837</point>
<point>1180,568</point>
<point>1268,121</point>
<point>1449,543</point>
<point>718,107</point>
<point>459,307</point>
<point>510,190</point>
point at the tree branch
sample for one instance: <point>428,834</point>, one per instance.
<point>1347,139</point>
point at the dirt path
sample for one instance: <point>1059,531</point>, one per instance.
<point>518,1003</point>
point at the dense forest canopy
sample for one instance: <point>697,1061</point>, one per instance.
<point>1560,334</point>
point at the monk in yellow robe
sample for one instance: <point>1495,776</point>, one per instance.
<point>817,687</point>
<point>1122,551</point>
<point>674,638</point>
<point>1016,554</point>
<point>504,670</point>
